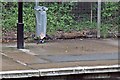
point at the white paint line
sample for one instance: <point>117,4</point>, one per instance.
<point>27,51</point>
<point>20,62</point>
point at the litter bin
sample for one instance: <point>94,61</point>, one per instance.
<point>41,21</point>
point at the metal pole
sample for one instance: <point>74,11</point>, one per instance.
<point>98,18</point>
<point>36,3</point>
<point>20,26</point>
<point>91,13</point>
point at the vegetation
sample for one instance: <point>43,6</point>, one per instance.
<point>110,17</point>
<point>59,17</point>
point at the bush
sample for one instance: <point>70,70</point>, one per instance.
<point>59,17</point>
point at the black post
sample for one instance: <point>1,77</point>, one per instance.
<point>20,27</point>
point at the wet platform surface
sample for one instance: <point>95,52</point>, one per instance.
<point>60,54</point>
<point>86,57</point>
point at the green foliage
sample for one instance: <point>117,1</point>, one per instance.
<point>84,25</point>
<point>59,17</point>
<point>109,8</point>
<point>110,13</point>
<point>110,17</point>
<point>9,15</point>
<point>29,17</point>
<point>104,30</point>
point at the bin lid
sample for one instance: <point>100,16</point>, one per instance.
<point>41,8</point>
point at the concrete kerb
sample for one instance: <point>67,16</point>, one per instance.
<point>59,71</point>
<point>79,70</point>
<point>19,74</point>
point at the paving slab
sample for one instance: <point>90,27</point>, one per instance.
<point>9,64</point>
<point>62,47</point>
<point>61,53</point>
<point>74,64</point>
<point>111,42</point>
<point>85,57</point>
<point>21,56</point>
